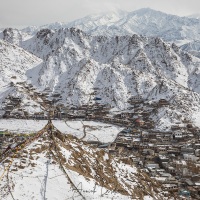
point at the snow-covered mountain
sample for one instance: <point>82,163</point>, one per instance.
<point>148,22</point>
<point>75,64</point>
<point>14,63</point>
<point>71,49</point>
<point>145,21</point>
<point>192,47</point>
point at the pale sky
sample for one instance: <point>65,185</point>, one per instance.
<point>20,13</point>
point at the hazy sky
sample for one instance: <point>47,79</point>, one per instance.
<point>18,13</point>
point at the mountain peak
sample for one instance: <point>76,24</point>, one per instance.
<point>145,10</point>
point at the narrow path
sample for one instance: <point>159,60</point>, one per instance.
<point>46,177</point>
<point>85,133</point>
<point>70,126</point>
<point>84,130</point>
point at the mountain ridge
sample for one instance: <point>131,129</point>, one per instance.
<point>74,63</point>
<point>146,21</point>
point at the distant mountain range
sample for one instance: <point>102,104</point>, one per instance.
<point>148,22</point>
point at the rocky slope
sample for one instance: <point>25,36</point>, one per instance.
<point>154,56</point>
<point>14,63</point>
<point>13,36</point>
<point>192,47</point>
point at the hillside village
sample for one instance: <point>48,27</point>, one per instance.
<point>170,157</point>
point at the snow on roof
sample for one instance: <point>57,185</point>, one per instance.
<point>162,179</point>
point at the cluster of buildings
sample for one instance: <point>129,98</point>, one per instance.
<point>171,158</point>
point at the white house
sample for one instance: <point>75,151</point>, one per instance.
<point>190,157</point>
<point>177,135</point>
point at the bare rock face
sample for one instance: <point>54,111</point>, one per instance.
<point>13,36</point>
<point>44,35</point>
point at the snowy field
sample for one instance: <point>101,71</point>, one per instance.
<point>86,130</point>
<point>196,119</point>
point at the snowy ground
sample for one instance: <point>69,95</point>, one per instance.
<point>47,181</point>
<point>196,119</point>
<point>22,126</point>
<point>93,130</point>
